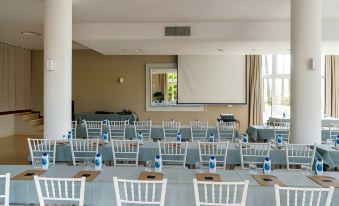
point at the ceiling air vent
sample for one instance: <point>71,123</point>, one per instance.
<point>177,31</point>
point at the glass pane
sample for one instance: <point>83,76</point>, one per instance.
<point>282,97</point>
<point>283,64</point>
<point>322,96</point>
<point>267,64</point>
<point>267,99</point>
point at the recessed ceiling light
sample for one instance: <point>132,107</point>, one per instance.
<point>30,33</point>
<point>139,50</point>
<point>219,50</point>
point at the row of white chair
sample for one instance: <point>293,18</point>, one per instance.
<point>153,192</point>
<point>127,151</point>
<point>117,129</point>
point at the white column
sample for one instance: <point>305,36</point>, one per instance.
<point>305,81</point>
<point>57,83</point>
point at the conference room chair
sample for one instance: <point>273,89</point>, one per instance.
<point>94,129</point>
<point>226,131</point>
<point>173,153</point>
<point>140,192</point>
<point>117,129</point>
<point>300,155</point>
<point>125,151</point>
<point>283,129</point>
<point>217,149</point>
<point>253,153</point>
<point>334,131</point>
<point>84,151</point>
<point>198,130</point>
<point>170,130</point>
<point>62,190</point>
<point>37,147</point>
<point>220,193</point>
<point>74,126</point>
<point>292,196</point>
<point>4,197</point>
<point>145,127</point>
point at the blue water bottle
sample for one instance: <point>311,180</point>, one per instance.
<point>319,166</point>
<point>267,166</point>
<point>279,140</point>
<point>212,165</point>
<point>337,141</point>
<point>245,139</point>
<point>83,122</point>
<point>211,138</point>
<point>105,137</point>
<point>140,137</point>
<point>157,164</point>
<point>69,136</point>
<point>284,115</point>
<point>98,162</point>
<point>105,121</point>
<point>45,161</point>
<point>127,121</point>
<point>178,137</point>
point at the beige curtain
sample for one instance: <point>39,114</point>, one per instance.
<point>332,86</point>
<point>15,78</point>
<point>255,100</point>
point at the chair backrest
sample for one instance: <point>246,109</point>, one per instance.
<point>39,146</point>
<point>74,129</point>
<point>117,129</point>
<point>125,151</point>
<point>220,193</point>
<point>84,150</point>
<point>94,129</point>
<point>4,197</point>
<point>226,131</point>
<point>303,196</point>
<point>217,149</point>
<point>198,130</point>
<point>60,189</point>
<point>283,129</point>
<point>140,192</point>
<point>300,154</point>
<point>173,153</point>
<point>145,127</point>
<point>170,130</point>
<point>334,131</point>
<point>253,153</point>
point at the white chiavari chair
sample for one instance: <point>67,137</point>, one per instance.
<point>173,153</point>
<point>303,196</point>
<point>253,153</point>
<point>94,129</point>
<point>74,129</point>
<point>198,130</point>
<point>220,193</point>
<point>170,130</point>
<point>300,154</point>
<point>4,197</point>
<point>334,131</point>
<point>84,150</point>
<point>217,149</point>
<point>145,127</point>
<point>226,131</point>
<point>283,129</point>
<point>125,151</point>
<point>140,192</point>
<point>67,190</point>
<point>37,147</point>
<point>117,129</point>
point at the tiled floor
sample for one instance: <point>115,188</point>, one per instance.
<point>14,150</point>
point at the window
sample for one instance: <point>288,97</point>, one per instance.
<point>276,82</point>
<point>276,71</point>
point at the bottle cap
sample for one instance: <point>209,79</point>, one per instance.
<point>267,159</point>
<point>44,154</point>
<point>320,159</point>
<point>98,155</point>
<point>212,157</point>
<point>157,156</point>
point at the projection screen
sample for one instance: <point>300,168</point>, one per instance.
<point>212,79</point>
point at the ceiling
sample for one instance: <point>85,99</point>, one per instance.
<point>132,15</point>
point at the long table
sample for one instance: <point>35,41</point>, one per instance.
<point>149,150</point>
<point>259,132</point>
<point>179,192</point>
<point>156,132</point>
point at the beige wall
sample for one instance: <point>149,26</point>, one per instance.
<point>96,87</point>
